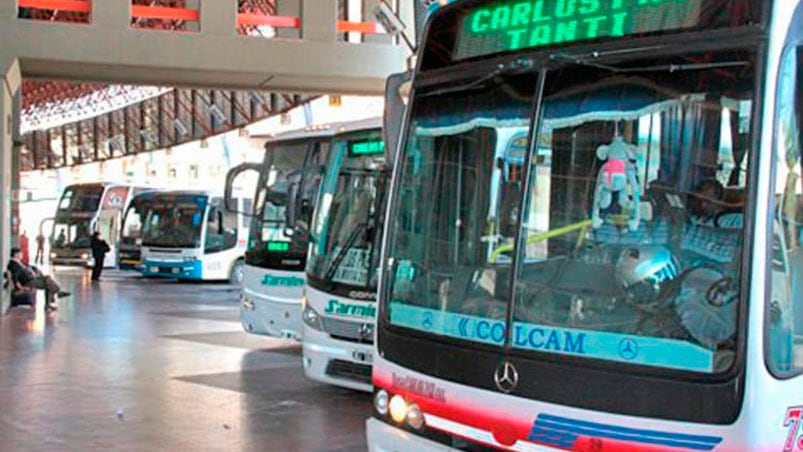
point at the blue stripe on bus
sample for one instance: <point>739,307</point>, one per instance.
<point>562,429</point>
<point>552,437</point>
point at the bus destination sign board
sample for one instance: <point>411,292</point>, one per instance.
<point>508,25</point>
<point>361,148</point>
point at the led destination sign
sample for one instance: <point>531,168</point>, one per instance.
<point>279,247</point>
<point>507,25</point>
<point>361,148</point>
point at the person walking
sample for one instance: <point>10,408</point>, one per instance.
<point>25,275</point>
<point>99,250</point>
<point>40,249</point>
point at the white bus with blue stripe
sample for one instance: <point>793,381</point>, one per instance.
<point>190,235</point>
<point>340,296</point>
<point>631,281</point>
<point>286,192</point>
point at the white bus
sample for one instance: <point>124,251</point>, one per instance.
<point>191,235</point>
<point>340,296</point>
<point>648,295</point>
<point>83,209</point>
<point>286,191</point>
<point>129,255</point>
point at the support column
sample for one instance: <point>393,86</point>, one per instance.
<point>319,20</point>
<point>412,14</point>
<point>367,15</point>
<point>16,155</point>
<point>112,15</point>
<point>11,79</point>
<point>288,8</point>
<point>218,17</point>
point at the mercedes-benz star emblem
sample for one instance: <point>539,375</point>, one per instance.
<point>628,349</point>
<point>506,377</point>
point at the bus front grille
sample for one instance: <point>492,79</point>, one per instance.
<point>350,371</point>
<point>349,331</point>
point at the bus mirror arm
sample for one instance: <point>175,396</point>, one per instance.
<point>396,95</point>
<point>229,201</point>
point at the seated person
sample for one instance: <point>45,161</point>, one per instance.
<point>28,276</point>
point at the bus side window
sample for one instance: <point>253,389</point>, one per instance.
<point>784,313</point>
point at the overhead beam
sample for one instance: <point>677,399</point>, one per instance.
<point>122,54</point>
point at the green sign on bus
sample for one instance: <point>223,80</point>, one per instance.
<point>507,25</point>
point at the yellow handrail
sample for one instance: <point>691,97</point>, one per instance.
<point>579,226</point>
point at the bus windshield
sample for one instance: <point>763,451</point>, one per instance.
<point>135,216</point>
<point>81,199</point>
<point>71,233</point>
<point>291,171</point>
<point>346,227</point>
<point>175,221</point>
<point>620,241</point>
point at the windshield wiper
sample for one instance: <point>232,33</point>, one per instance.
<point>586,61</point>
<point>504,68</point>
<point>330,272</point>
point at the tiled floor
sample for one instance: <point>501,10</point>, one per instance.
<point>146,365</point>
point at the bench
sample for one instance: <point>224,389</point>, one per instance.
<point>20,295</point>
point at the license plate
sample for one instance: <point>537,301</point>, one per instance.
<point>363,357</point>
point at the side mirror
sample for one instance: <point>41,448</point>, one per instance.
<point>397,93</point>
<point>290,211</point>
<point>229,200</point>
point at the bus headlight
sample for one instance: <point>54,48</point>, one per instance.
<point>248,303</point>
<point>53,255</point>
<point>381,402</point>
<point>415,418</point>
<point>85,256</point>
<point>311,318</point>
<point>398,409</point>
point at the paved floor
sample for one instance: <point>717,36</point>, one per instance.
<point>145,365</point>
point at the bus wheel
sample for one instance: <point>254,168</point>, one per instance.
<point>237,272</point>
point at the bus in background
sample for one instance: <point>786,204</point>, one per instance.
<point>286,191</point>
<point>339,306</point>
<point>648,295</point>
<point>82,209</point>
<point>191,235</point>
<point>129,256</point>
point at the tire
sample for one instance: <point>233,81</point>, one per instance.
<point>237,273</point>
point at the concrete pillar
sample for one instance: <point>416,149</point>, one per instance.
<point>8,10</point>
<point>288,8</point>
<point>319,20</point>
<point>111,15</point>
<point>196,4</point>
<point>16,155</point>
<point>407,11</point>
<point>368,7</point>
<point>11,79</point>
<point>218,17</point>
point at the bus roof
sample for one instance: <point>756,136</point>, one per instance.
<point>361,125</point>
<point>324,130</point>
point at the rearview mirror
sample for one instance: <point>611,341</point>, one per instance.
<point>397,92</point>
<point>229,200</point>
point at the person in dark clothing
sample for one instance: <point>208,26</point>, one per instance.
<point>40,249</point>
<point>99,250</point>
<point>29,276</point>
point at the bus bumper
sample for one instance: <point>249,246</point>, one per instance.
<point>177,270</point>
<point>336,362</point>
<point>383,437</point>
<point>270,317</point>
